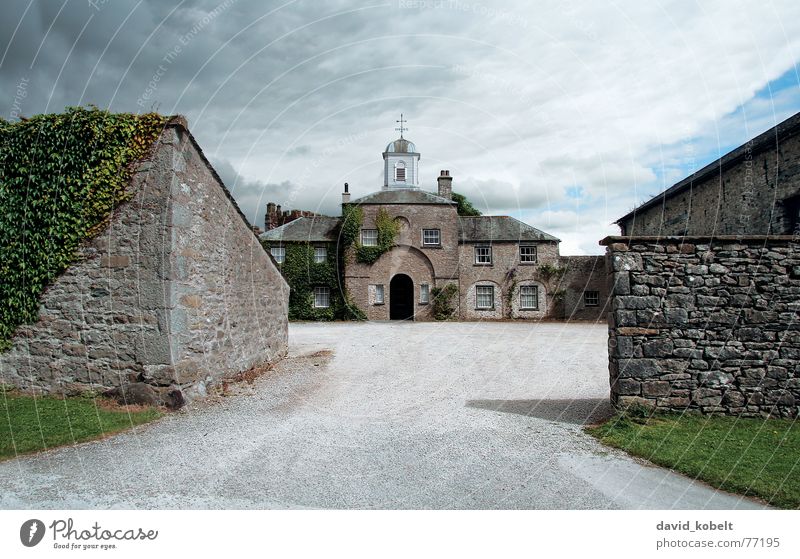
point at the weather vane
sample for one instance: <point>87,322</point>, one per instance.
<point>402,128</point>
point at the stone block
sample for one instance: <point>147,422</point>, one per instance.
<point>655,388</point>
<point>638,368</point>
<point>706,397</point>
<point>658,348</point>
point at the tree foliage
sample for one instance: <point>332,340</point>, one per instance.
<point>465,207</point>
<point>61,175</point>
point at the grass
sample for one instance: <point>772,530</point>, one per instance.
<point>753,457</point>
<point>29,424</point>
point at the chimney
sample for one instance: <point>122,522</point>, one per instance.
<point>271,217</point>
<point>445,184</point>
<point>346,194</point>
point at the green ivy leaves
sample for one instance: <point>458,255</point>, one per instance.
<point>61,175</point>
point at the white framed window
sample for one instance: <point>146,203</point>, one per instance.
<point>400,172</point>
<point>484,296</point>
<point>431,237</point>
<point>320,254</point>
<point>529,297</point>
<point>322,297</point>
<point>424,294</point>
<point>378,294</point>
<point>591,298</point>
<point>483,254</point>
<point>369,237</point>
<point>527,254</point>
<point>279,254</point>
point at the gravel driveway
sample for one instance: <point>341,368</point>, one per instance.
<point>379,415</point>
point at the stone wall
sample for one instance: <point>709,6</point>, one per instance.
<point>175,292</point>
<point>708,325</point>
<point>228,303</point>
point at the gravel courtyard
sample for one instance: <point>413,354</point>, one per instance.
<point>379,415</point>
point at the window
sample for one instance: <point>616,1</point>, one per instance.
<point>527,254</point>
<point>424,293</point>
<point>279,254</point>
<point>431,237</point>
<point>369,237</point>
<point>528,297</point>
<point>378,294</point>
<point>400,172</point>
<point>322,297</point>
<point>792,211</point>
<point>484,296</point>
<point>320,254</point>
<point>483,255</point>
<point>591,298</point>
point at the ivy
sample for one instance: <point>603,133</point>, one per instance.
<point>61,175</point>
<point>388,230</point>
<point>443,307</point>
<point>352,220</point>
<point>303,274</point>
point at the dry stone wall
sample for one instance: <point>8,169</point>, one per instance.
<point>705,324</point>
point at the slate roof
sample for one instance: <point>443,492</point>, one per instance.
<point>499,228</point>
<point>403,196</point>
<point>767,140</point>
<point>309,229</point>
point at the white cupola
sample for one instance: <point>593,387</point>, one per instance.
<point>401,162</point>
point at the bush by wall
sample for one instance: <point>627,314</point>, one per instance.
<point>61,175</point>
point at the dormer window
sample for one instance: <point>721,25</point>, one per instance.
<point>400,172</point>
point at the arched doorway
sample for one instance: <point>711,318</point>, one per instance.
<point>401,298</point>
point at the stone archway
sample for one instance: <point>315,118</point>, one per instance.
<point>401,298</point>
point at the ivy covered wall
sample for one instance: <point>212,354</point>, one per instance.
<point>303,274</point>
<point>61,175</point>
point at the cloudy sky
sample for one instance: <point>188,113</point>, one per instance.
<point>562,113</point>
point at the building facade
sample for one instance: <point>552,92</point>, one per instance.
<point>405,253</point>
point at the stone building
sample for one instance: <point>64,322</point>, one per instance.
<point>176,292</point>
<point>753,190</point>
<point>407,245</point>
<point>705,287</point>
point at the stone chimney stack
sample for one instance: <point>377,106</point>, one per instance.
<point>271,217</point>
<point>346,194</point>
<point>445,184</point>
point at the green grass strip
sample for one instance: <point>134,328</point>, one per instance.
<point>30,424</point>
<point>748,456</point>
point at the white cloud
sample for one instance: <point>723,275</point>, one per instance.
<point>523,102</point>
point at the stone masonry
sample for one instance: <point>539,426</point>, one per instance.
<point>705,324</point>
<point>176,292</point>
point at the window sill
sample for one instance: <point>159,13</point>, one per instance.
<point>431,246</point>
<point>528,309</point>
<point>489,265</point>
<point>484,308</point>
<point>423,304</point>
<point>528,263</point>
<point>378,304</point>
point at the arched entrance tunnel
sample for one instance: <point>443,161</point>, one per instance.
<point>401,298</point>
